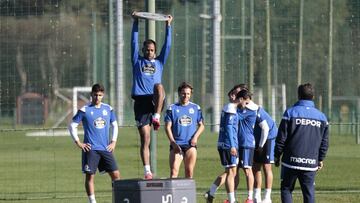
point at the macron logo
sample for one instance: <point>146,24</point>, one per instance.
<point>302,160</point>
<point>303,121</point>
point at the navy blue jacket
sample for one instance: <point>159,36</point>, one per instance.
<point>303,137</point>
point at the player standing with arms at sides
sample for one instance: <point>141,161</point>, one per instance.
<point>97,149</point>
<point>265,132</point>
<point>184,124</point>
<point>224,133</point>
<point>147,90</point>
<point>302,143</point>
<point>228,146</point>
<point>247,118</point>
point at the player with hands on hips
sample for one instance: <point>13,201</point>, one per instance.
<point>97,149</point>
<point>147,90</point>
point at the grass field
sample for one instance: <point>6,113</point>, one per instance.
<point>47,169</point>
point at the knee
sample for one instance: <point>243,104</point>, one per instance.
<point>158,85</point>
<point>248,172</point>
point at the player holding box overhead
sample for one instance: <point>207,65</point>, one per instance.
<point>97,118</point>
<point>184,124</point>
<point>147,90</point>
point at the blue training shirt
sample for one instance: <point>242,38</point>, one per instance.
<point>262,115</point>
<point>96,123</point>
<point>247,119</point>
<point>185,120</point>
<point>228,127</point>
<point>147,73</point>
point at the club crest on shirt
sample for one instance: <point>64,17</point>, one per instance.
<point>191,111</point>
<point>99,123</point>
<point>105,113</point>
<point>148,69</point>
<point>185,120</point>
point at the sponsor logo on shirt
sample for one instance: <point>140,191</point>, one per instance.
<point>99,123</point>
<point>302,160</point>
<point>148,69</point>
<point>185,120</point>
<point>303,121</point>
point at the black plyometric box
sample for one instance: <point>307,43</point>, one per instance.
<point>154,191</point>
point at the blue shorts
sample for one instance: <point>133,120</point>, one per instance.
<point>102,160</point>
<point>266,156</point>
<point>246,156</point>
<point>227,160</point>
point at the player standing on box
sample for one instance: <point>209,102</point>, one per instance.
<point>265,132</point>
<point>302,141</point>
<point>222,178</point>
<point>147,90</point>
<point>97,149</point>
<point>247,118</point>
<point>183,125</point>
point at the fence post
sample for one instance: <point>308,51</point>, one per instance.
<point>357,129</point>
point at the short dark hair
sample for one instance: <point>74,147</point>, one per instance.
<point>306,92</point>
<point>245,94</point>
<point>149,41</point>
<point>97,88</point>
<point>184,85</point>
<point>242,86</point>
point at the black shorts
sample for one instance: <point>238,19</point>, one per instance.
<point>184,148</point>
<point>144,109</point>
<point>266,156</point>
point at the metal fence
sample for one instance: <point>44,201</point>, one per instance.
<point>47,48</point>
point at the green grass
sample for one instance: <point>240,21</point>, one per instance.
<point>47,169</point>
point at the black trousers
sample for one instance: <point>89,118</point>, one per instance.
<point>306,180</point>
